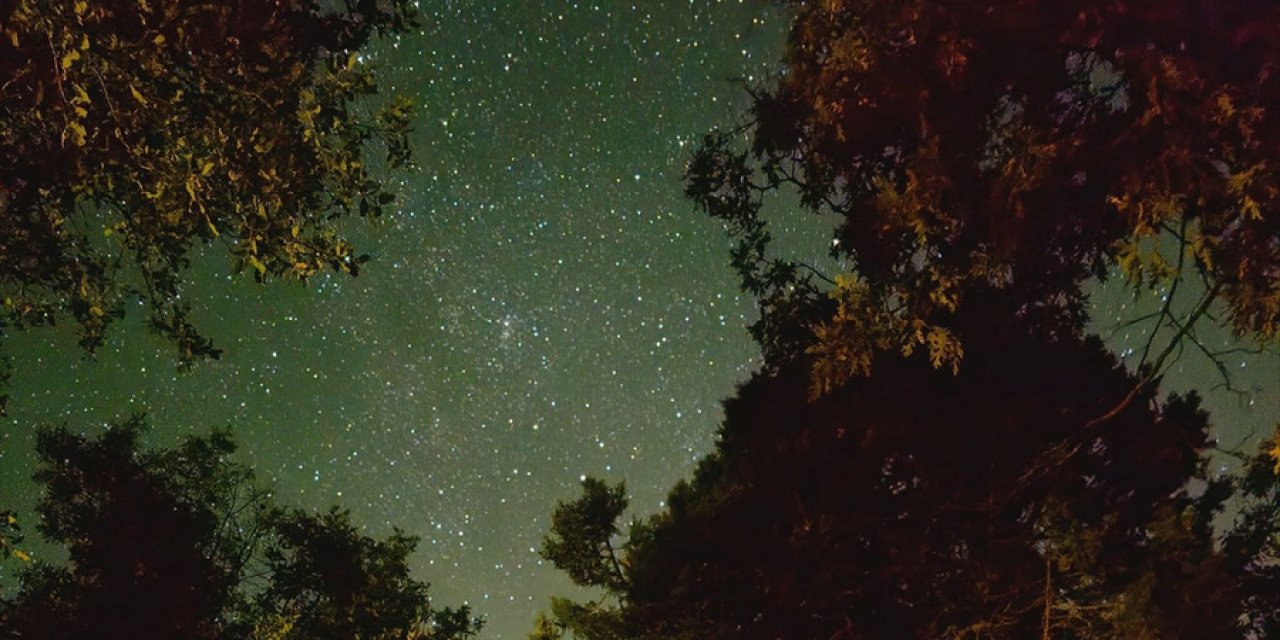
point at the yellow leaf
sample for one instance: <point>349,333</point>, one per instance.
<point>1225,105</point>
<point>68,58</point>
<point>77,133</point>
<point>1250,208</point>
<point>1198,246</point>
<point>257,264</point>
<point>22,555</point>
<point>944,348</point>
<point>1129,261</point>
<point>13,39</point>
<point>208,166</point>
<point>1274,451</point>
<point>84,43</point>
<point>213,229</point>
<point>137,95</point>
<point>81,111</point>
<point>159,40</point>
<point>80,6</point>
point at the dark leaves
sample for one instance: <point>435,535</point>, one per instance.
<point>190,528</point>
<point>580,542</point>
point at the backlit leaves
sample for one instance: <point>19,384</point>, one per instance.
<point>10,538</point>
<point>1274,451</point>
<point>846,345</point>
<point>160,125</point>
<point>942,144</point>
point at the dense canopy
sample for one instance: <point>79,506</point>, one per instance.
<point>914,503</point>
<point>184,543</point>
<point>1003,475</point>
<point>1010,145</point>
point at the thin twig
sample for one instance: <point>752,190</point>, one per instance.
<point>1048,598</point>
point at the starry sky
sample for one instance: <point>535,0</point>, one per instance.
<point>542,305</point>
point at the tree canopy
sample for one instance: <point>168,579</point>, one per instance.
<point>582,532</point>
<point>1008,145</point>
<point>182,542</point>
<point>914,503</point>
<point>1001,475</point>
<point>133,131</point>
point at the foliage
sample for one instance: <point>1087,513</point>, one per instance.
<point>1016,146</point>
<point>134,131</point>
<point>329,581</point>
<point>10,538</point>
<point>592,620</point>
<point>983,160</point>
<point>1253,544</point>
<point>921,503</point>
<point>188,529</point>
<point>580,542</point>
<point>545,628</point>
<point>134,538</point>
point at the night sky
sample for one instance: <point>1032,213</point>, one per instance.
<point>542,305</point>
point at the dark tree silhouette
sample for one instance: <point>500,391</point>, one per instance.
<point>582,532</point>
<point>181,543</point>
<point>1253,543</point>
<point>1001,476</point>
<point>915,503</point>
